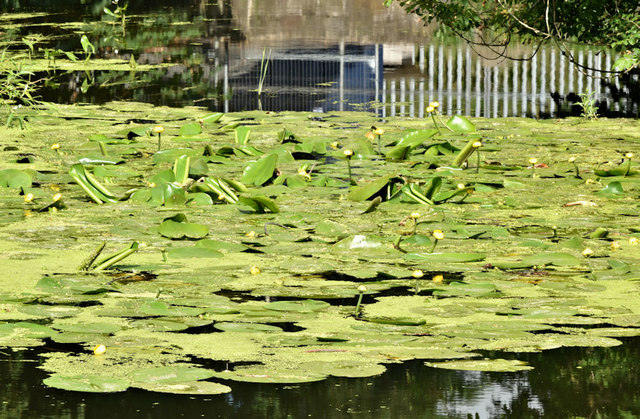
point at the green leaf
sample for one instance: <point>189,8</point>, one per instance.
<point>14,178</point>
<point>259,172</point>
<point>87,383</point>
<point>497,365</point>
<point>246,327</point>
<point>190,129</point>
<point>90,185</point>
<point>212,118</point>
<point>177,227</point>
<point>368,190</point>
<point>242,134</point>
<point>613,189</point>
<point>169,375</point>
<point>446,257</point>
<point>258,204</point>
<point>460,124</point>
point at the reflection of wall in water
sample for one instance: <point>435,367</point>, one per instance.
<point>337,78</point>
<point>464,83</point>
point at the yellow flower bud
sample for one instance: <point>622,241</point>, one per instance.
<point>461,186</point>
<point>251,234</point>
<point>437,278</point>
<point>434,104</point>
<point>348,153</point>
<point>572,159</point>
<point>533,160</point>
<point>477,144</point>
<point>415,215</point>
<point>417,274</point>
<point>28,197</point>
<point>334,145</point>
<point>158,129</point>
<point>255,270</point>
<point>379,131</point>
<point>587,252</point>
<point>362,289</point>
<point>633,241</point>
<point>55,146</point>
<point>221,197</point>
<point>615,245</point>
<point>438,234</point>
<point>628,155</point>
<point>430,109</point>
<point>57,197</point>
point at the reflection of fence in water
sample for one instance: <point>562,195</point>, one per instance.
<point>466,84</point>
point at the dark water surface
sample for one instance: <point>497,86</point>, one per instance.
<point>325,56</point>
<point>567,382</point>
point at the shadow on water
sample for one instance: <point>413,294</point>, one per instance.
<point>567,382</point>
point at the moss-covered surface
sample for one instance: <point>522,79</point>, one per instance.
<point>532,258</point>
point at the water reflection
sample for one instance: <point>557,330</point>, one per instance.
<point>331,55</point>
<point>568,382</point>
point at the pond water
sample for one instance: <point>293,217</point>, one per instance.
<point>568,382</point>
<point>333,55</point>
<point>338,55</point>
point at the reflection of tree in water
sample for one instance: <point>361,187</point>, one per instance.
<point>622,99</point>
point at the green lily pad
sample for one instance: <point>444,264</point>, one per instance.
<point>190,387</point>
<point>177,227</point>
<point>446,257</point>
<point>13,178</point>
<point>495,365</point>
<point>345,368</point>
<point>304,306</point>
<point>258,374</point>
<point>87,383</point>
<point>246,327</point>
<point>474,289</point>
<point>94,328</point>
<point>174,374</point>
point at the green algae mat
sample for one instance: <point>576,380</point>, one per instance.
<point>180,251</point>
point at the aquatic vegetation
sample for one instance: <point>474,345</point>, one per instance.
<point>242,241</point>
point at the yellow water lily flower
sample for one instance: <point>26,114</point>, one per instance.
<point>158,129</point>
<point>417,274</point>
<point>430,109</point>
<point>438,234</point>
<point>362,289</point>
<point>348,153</point>
<point>57,197</point>
<point>533,160</point>
<point>415,215</point>
<point>99,349</point>
<point>437,278</point>
<point>255,270</point>
<point>588,252</point>
<point>28,197</point>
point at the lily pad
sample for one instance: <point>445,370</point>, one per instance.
<point>87,383</point>
<point>495,365</point>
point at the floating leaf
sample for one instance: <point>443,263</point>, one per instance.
<point>87,383</point>
<point>304,306</point>
<point>190,387</point>
<point>190,129</point>
<point>246,327</point>
<point>13,178</point>
<point>369,190</point>
<point>257,374</point>
<point>496,365</point>
<point>169,375</point>
<point>446,257</point>
<point>177,227</point>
